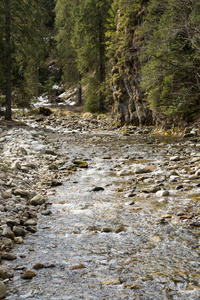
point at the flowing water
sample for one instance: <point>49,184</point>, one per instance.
<point>104,245</point>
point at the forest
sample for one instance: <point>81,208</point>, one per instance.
<point>138,59</point>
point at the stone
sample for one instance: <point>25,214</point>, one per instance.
<point>28,274</point>
<point>125,172</point>
<point>77,267</point>
<point>120,229</point>
<point>166,216</point>
<point>106,230</point>
<point>37,200</point>
<point>31,229</point>
<point>55,182</point>
<point>21,192</point>
<point>140,169</point>
<point>162,193</point>
<point>19,240</point>
<point>7,242</point>
<point>2,290</point>
<point>38,266</point>
<point>155,239</point>
<point>38,148</point>
<point>129,195</point>
<point>12,223</point>
<point>8,256</point>
<point>7,232</point>
<point>5,274</point>
<point>80,164</point>
<point>46,212</point>
<point>155,189</point>
<point>50,152</point>
<point>19,231</point>
<point>30,222</point>
<point>53,167</point>
<point>16,165</point>
<point>97,189</point>
<point>7,194</point>
<point>111,282</point>
<point>175,158</point>
<point>193,177</point>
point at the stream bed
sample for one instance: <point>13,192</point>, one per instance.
<point>125,227</point>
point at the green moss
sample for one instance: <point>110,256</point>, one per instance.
<point>80,164</point>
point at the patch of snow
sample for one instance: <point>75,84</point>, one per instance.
<point>42,101</point>
<point>55,87</point>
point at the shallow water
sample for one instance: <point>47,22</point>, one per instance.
<point>103,247</point>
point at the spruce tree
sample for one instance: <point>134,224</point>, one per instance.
<point>22,41</point>
<point>81,29</point>
<point>171,57</point>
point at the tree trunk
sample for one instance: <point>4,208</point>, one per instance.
<point>79,89</point>
<point>8,113</point>
<point>101,61</point>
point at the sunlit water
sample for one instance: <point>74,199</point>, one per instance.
<point>103,247</point>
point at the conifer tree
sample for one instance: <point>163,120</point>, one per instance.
<point>22,41</point>
<point>66,14</point>
<point>81,28</point>
<point>171,61</point>
<point>89,41</point>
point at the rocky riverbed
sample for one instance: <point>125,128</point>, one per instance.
<point>92,212</point>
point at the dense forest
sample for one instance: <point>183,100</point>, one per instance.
<point>139,59</point>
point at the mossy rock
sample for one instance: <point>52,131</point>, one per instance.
<point>81,164</point>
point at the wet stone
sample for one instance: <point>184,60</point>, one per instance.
<point>162,193</point>
<point>8,256</point>
<point>46,212</point>
<point>97,189</point>
<point>28,274</point>
<point>5,274</point>
<point>77,267</point>
<point>2,290</point>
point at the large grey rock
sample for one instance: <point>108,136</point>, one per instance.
<point>5,274</point>
<point>7,232</point>
<point>37,200</point>
<point>2,290</point>
<point>19,231</point>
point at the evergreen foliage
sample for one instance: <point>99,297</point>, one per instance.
<point>171,61</point>
<point>22,43</point>
<point>100,44</point>
<point>81,29</point>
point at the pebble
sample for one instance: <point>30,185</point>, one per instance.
<point>111,282</point>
